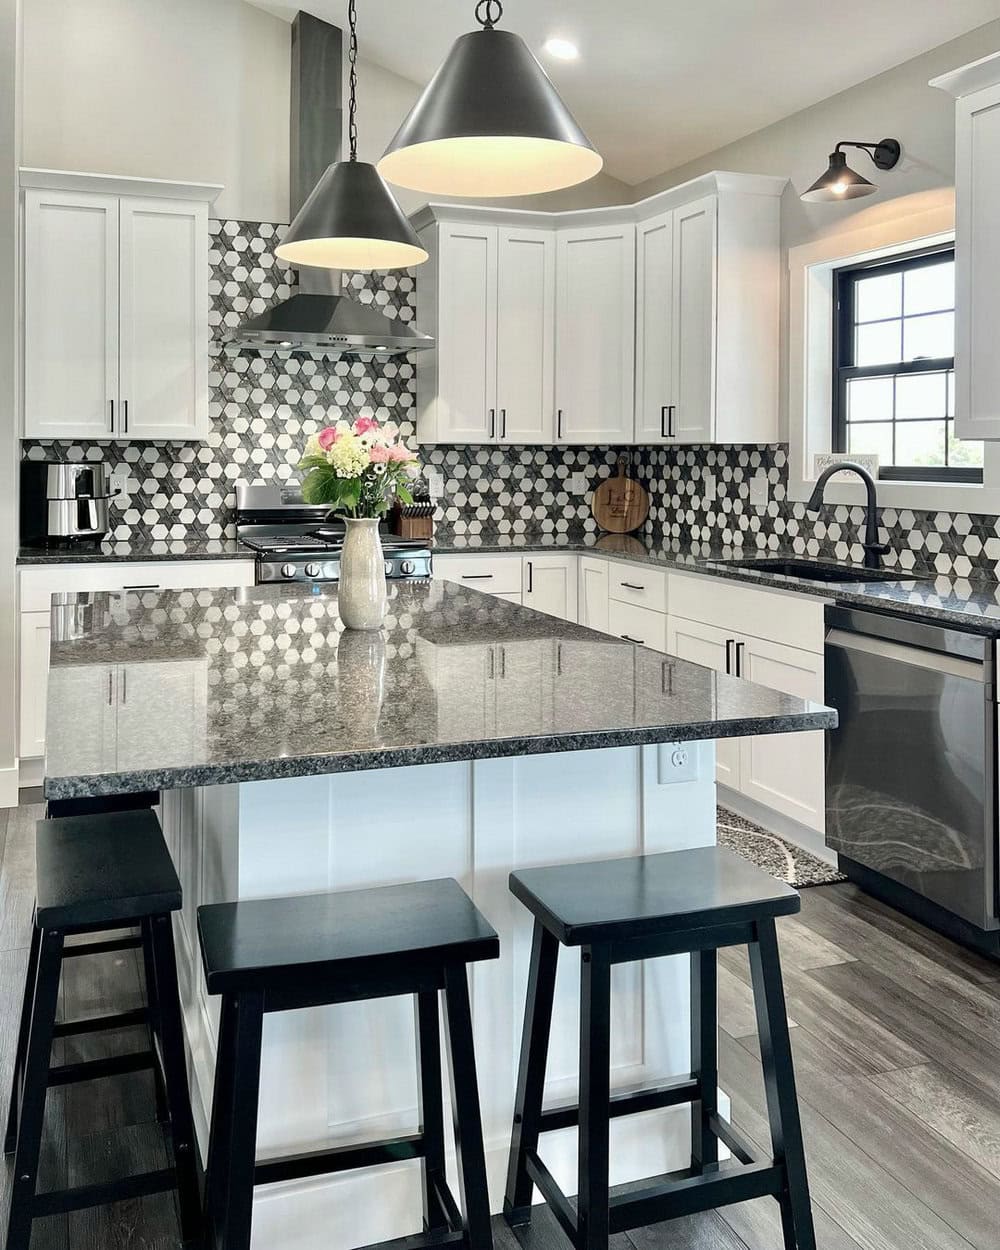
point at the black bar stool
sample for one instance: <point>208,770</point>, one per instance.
<point>95,873</point>
<point>284,954</point>
<point>622,910</point>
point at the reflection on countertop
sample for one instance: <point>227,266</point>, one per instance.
<point>140,552</point>
<point>263,682</point>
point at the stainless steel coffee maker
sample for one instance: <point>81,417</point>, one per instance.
<point>63,504</point>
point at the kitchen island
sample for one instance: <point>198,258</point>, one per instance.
<point>470,737</point>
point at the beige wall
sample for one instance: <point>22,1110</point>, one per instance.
<point>195,90</point>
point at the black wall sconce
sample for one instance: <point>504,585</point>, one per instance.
<point>841,182</point>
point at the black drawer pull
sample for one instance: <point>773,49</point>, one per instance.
<point>638,641</point>
<point>151,586</point>
<point>477,577</point>
<point>632,586</point>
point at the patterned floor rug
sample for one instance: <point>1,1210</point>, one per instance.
<point>781,859</point>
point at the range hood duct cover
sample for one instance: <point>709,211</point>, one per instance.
<point>319,317</point>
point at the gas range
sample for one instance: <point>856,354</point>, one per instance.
<point>296,542</point>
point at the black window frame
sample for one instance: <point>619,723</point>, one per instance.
<point>845,284</point>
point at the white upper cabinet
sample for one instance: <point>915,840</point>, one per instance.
<point>977,245</point>
<point>595,334</point>
<point>487,296</point>
<point>163,319</point>
<point>70,314</point>
<point>526,294</point>
<point>115,308</point>
<point>693,323</point>
<point>654,328</point>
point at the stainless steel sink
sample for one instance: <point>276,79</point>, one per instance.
<point>817,570</point>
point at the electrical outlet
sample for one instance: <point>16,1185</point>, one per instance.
<point>678,761</point>
<point>759,490</point>
<point>119,482</point>
<point>708,486</point>
<point>578,483</point>
<point>435,482</point>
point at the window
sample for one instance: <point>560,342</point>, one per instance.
<point>894,369</point>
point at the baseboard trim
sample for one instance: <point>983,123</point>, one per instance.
<point>31,772</point>
<point>774,822</point>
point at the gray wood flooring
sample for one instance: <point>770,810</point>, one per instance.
<point>897,1047</point>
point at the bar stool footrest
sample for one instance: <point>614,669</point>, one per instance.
<point>102,1024</point>
<point>628,1102</point>
<point>61,1201</point>
<point>94,1069</point>
<point>338,1159</point>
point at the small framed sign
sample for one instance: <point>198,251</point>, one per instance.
<point>823,460</point>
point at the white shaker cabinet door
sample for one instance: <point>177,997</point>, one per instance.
<point>84,735</point>
<point>33,680</point>
<point>467,334</point>
<point>593,593</point>
<point>655,401</point>
<point>595,335</point>
<point>162,711</point>
<point>693,337</point>
<point>526,293</point>
<point>785,771</point>
<point>713,648</point>
<point>550,585</point>
<point>164,319</point>
<point>70,314</point>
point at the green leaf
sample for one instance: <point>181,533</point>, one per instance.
<point>321,486</point>
<point>403,494</point>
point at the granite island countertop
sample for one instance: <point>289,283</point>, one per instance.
<point>263,682</point>
<point>971,603</point>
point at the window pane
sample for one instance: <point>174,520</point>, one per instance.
<point>877,344</point>
<point>871,440</point>
<point>869,399</point>
<point>929,288</point>
<point>929,336</point>
<point>920,395</point>
<point>951,393</point>
<point>878,298</point>
<point>964,453</point>
<point>920,443</point>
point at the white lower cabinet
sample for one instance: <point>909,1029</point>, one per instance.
<point>545,582</point>
<point>87,693</point>
<point>714,648</point>
<point>592,595</point>
<point>637,624</point>
<point>33,641</point>
<point>550,585</point>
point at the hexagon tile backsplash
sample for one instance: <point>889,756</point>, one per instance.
<point>263,407</point>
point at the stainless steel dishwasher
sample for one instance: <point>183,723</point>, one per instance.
<point>911,771</point>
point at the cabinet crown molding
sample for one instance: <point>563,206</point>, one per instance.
<point>116,184</point>
<point>717,182</point>
<point>969,78</point>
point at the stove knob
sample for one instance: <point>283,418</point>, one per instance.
<point>288,570</point>
<point>389,567</point>
<point>313,570</point>
<point>407,567</point>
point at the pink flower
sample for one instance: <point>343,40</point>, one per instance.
<point>365,424</point>
<point>379,454</point>
<point>400,453</point>
<point>327,437</point>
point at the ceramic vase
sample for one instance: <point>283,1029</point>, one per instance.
<point>362,594</point>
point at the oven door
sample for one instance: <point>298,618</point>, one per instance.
<point>911,777</point>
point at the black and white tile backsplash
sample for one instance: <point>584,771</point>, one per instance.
<point>264,406</point>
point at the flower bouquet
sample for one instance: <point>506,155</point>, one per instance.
<point>359,468</point>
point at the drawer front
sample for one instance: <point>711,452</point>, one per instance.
<point>791,619</point>
<point>495,575</point>
<point>635,583</point>
<point>39,584</point>
<point>638,624</point>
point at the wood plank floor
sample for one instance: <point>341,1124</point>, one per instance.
<point>897,1047</point>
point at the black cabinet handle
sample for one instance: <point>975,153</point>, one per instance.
<point>111,423</point>
<point>739,658</point>
<point>638,641</point>
<point>664,431</point>
<point>477,577</point>
<point>559,416</point>
<point>503,422</point>
<point>531,577</point>
<point>493,422</point>
<point>671,409</point>
<point>632,586</point>
<point>730,643</point>
<point>124,416</point>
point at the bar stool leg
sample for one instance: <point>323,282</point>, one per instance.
<point>531,1073</point>
<point>153,1012</point>
<point>13,1110</point>
<point>779,1086</point>
<point>704,1056</point>
<point>431,1110</point>
<point>175,1083</point>
<point>465,1110</point>
<point>593,1198</point>
<point>36,1072</point>
<point>233,1143</point>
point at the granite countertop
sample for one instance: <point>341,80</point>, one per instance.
<point>280,690</point>
<point>140,552</point>
<point>970,603</point>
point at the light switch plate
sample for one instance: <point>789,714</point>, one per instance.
<point>708,486</point>
<point>578,483</point>
<point>758,490</point>
<point>435,482</point>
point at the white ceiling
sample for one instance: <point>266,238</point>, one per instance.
<point>660,83</point>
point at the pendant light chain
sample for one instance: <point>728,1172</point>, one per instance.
<point>488,13</point>
<point>352,116</point>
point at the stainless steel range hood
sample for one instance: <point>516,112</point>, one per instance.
<point>319,317</point>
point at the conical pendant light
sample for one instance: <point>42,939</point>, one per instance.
<point>351,219</point>
<point>489,123</point>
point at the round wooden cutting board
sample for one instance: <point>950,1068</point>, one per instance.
<point>620,504</point>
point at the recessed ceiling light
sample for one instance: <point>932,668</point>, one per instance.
<point>562,49</point>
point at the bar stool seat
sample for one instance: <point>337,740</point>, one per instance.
<point>644,907</point>
<point>282,954</point>
<point>98,872</point>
